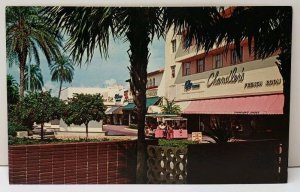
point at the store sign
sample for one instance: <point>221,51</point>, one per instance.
<point>126,96</point>
<point>188,85</point>
<point>151,93</point>
<point>118,97</point>
<point>197,136</point>
<point>267,83</point>
<point>233,77</point>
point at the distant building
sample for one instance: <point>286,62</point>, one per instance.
<point>114,98</point>
<point>155,83</point>
<point>154,94</point>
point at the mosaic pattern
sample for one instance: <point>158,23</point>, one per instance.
<point>166,165</point>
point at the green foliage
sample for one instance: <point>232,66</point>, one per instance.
<point>28,141</point>
<point>220,132</point>
<point>83,108</point>
<point>12,91</point>
<point>170,107</point>
<point>13,127</point>
<point>26,34</point>
<point>37,107</point>
<point>33,74</point>
<point>62,70</point>
<point>133,126</point>
<point>175,143</point>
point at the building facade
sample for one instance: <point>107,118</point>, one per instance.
<point>114,98</point>
<point>223,86</point>
<point>154,93</point>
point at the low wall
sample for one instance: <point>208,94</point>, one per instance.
<point>166,165</point>
<point>237,163</point>
<point>73,163</point>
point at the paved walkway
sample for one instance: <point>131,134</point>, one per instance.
<point>119,130</point>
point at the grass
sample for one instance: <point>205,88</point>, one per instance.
<point>28,141</point>
<point>175,143</point>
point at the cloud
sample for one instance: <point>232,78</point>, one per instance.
<point>110,82</point>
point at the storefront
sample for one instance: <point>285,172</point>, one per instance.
<point>129,110</point>
<point>246,98</point>
<point>244,117</point>
<point>114,115</point>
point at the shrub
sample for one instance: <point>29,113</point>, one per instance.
<point>175,143</point>
<point>13,127</point>
<point>28,141</point>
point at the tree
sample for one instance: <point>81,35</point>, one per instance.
<point>91,27</point>
<point>12,91</point>
<point>83,108</point>
<point>26,34</point>
<point>170,107</point>
<point>39,107</point>
<point>33,76</point>
<point>62,71</point>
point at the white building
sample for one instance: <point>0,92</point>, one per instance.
<point>114,98</point>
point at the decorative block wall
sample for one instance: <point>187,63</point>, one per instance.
<point>73,163</point>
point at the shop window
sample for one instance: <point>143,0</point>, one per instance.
<point>173,71</point>
<point>173,45</point>
<point>218,61</point>
<point>186,69</point>
<point>200,65</point>
<point>235,59</point>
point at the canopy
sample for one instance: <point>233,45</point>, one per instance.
<point>183,105</point>
<point>150,101</point>
<point>267,104</point>
<point>113,110</point>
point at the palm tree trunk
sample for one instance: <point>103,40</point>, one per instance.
<point>22,59</point>
<point>86,130</point>
<point>60,85</point>
<point>138,54</point>
<point>42,131</point>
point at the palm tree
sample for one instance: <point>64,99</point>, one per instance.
<point>33,78</point>
<point>91,27</point>
<point>170,107</point>
<point>62,71</point>
<point>12,91</point>
<point>26,34</point>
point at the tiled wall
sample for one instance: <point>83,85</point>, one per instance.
<point>73,163</point>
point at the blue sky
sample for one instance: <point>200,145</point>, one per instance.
<point>100,72</point>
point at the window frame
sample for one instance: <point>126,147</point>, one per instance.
<point>185,68</point>
<point>173,68</point>
<point>174,46</point>
<point>234,58</point>
<point>220,59</point>
<point>198,65</point>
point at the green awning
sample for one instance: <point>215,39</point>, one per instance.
<point>152,101</point>
<point>129,106</point>
<point>149,101</point>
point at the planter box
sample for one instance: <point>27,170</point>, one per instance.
<point>73,163</point>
